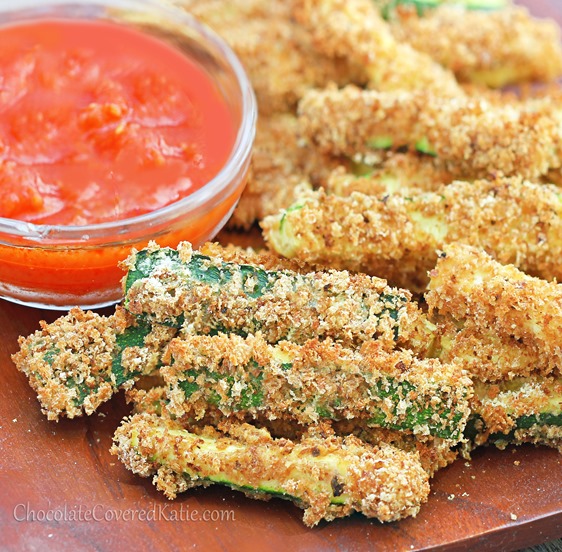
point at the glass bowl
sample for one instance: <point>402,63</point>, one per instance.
<point>59,267</point>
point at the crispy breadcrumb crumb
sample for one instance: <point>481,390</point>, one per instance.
<point>494,48</point>
<point>471,137</point>
<point>328,476</point>
<point>397,237</point>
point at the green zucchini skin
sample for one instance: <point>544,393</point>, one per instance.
<point>328,476</point>
<point>317,381</point>
<point>522,410</point>
<point>80,360</point>
<point>205,295</point>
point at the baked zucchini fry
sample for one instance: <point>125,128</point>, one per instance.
<point>315,381</point>
<point>524,410</point>
<point>354,31</point>
<point>398,174</point>
<point>328,476</point>
<point>490,48</point>
<point>481,352</point>
<point>434,453</point>
<point>397,238</point>
<point>390,8</point>
<point>206,296</point>
<point>468,284</point>
<point>80,360</point>
<point>471,137</point>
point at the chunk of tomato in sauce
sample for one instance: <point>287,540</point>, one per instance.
<point>99,122</point>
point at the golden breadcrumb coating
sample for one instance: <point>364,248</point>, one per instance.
<point>148,401</point>
<point>483,353</point>
<point>494,48</point>
<point>282,167</point>
<point>328,476</point>
<point>353,30</point>
<point>399,173</point>
<point>470,136</point>
<point>56,353</point>
<point>469,284</point>
<point>262,258</point>
<point>349,308</point>
<point>275,51</point>
<point>315,381</point>
<point>524,410</point>
<point>77,362</point>
<point>155,401</point>
<point>397,238</point>
<point>434,453</point>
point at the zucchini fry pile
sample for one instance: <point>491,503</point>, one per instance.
<point>434,69</point>
<point>312,375</point>
<point>407,310</point>
<point>237,386</point>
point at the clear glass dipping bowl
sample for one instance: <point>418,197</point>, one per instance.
<point>58,267</point>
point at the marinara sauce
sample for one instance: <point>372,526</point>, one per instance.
<point>100,122</point>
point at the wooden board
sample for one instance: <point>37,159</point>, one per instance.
<point>61,490</point>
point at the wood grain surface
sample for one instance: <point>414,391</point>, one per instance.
<point>61,490</point>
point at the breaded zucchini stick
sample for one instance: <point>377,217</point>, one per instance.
<point>80,360</point>
<point>434,453</point>
<point>471,137</point>
<point>315,381</point>
<point>276,52</point>
<point>398,174</point>
<point>205,295</point>
<point>524,410</point>
<point>469,284</point>
<point>397,237</point>
<point>354,30</point>
<point>328,476</point>
<point>491,48</point>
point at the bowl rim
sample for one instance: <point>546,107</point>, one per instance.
<point>239,155</point>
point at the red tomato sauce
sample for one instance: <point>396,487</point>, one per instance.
<point>99,122</point>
